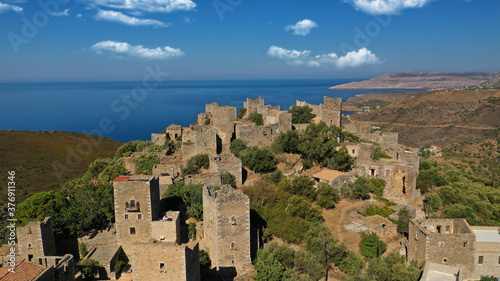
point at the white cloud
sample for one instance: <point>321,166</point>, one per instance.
<point>386,7</point>
<point>302,27</point>
<point>128,20</point>
<point>79,16</point>
<point>157,6</point>
<point>352,59</point>
<point>122,48</point>
<point>7,7</point>
<point>64,13</point>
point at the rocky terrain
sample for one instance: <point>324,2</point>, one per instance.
<point>421,80</point>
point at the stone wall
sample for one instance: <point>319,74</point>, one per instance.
<point>261,136</point>
<point>158,139</point>
<point>490,253</point>
<point>332,111</point>
<point>165,261</point>
<point>200,139</point>
<point>137,204</point>
<point>252,104</point>
<point>211,178</point>
<point>227,229</point>
<point>174,131</point>
<point>444,241</point>
<point>62,268</point>
<point>36,239</point>
<point>227,163</point>
<point>168,228</point>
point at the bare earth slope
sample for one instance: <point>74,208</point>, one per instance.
<point>421,80</point>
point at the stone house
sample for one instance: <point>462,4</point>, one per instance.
<point>475,250</point>
<point>336,179</point>
<point>226,220</point>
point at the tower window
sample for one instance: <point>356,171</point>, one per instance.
<point>126,216</point>
<point>233,220</point>
<point>162,265</point>
<point>30,246</point>
<point>132,230</point>
<point>233,246</point>
<point>139,216</point>
<point>480,260</point>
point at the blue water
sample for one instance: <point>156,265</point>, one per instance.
<point>81,107</point>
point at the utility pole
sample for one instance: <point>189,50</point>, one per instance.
<point>326,262</point>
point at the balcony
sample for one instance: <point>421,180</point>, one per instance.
<point>132,206</point>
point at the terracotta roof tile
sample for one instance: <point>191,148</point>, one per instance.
<point>24,271</point>
<point>121,179</point>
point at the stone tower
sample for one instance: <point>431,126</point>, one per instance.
<point>226,216</point>
<point>36,239</point>
<point>137,205</point>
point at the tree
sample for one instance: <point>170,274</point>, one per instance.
<point>259,160</point>
<point>192,230</point>
<point>303,185</point>
<point>111,172</point>
<point>341,160</point>
<point>37,207</point>
<point>287,142</point>
<point>404,216</point>
<point>237,146</point>
<point>256,118</point>
<point>268,267</point>
<point>327,195</point>
<point>96,167</point>
<point>301,114</point>
<point>190,194</point>
<point>371,245</point>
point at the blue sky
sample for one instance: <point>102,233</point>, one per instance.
<point>115,40</point>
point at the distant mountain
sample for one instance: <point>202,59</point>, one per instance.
<point>421,81</point>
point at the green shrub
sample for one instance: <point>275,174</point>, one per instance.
<point>89,267</point>
<point>371,245</point>
<point>378,154</point>
<point>242,112</point>
<point>259,160</point>
<point>131,147</point>
<point>404,216</point>
<point>82,247</point>
<point>195,163</point>
<point>228,178</point>
<point>256,118</point>
<point>327,195</point>
<point>192,230</point>
<point>304,186</point>
<point>237,146</point>
<point>287,142</point>
<point>145,163</point>
<point>119,266</point>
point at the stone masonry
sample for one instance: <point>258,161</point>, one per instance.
<point>36,239</point>
<point>226,216</point>
<point>444,241</point>
<point>137,204</point>
<point>165,261</point>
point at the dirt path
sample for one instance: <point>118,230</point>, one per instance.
<point>339,217</point>
<point>336,218</point>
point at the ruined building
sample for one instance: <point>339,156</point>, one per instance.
<point>400,172</point>
<point>149,236</point>
<point>36,239</point>
<point>37,249</point>
<point>329,112</point>
<point>226,217</point>
<point>473,249</point>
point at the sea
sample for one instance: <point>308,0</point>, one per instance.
<point>126,111</point>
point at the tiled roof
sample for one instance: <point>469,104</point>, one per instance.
<point>121,179</point>
<point>328,174</point>
<point>24,271</point>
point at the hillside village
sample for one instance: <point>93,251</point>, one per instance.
<point>151,236</point>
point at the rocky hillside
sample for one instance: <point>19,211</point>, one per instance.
<point>464,124</point>
<point>42,160</point>
<point>421,80</point>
